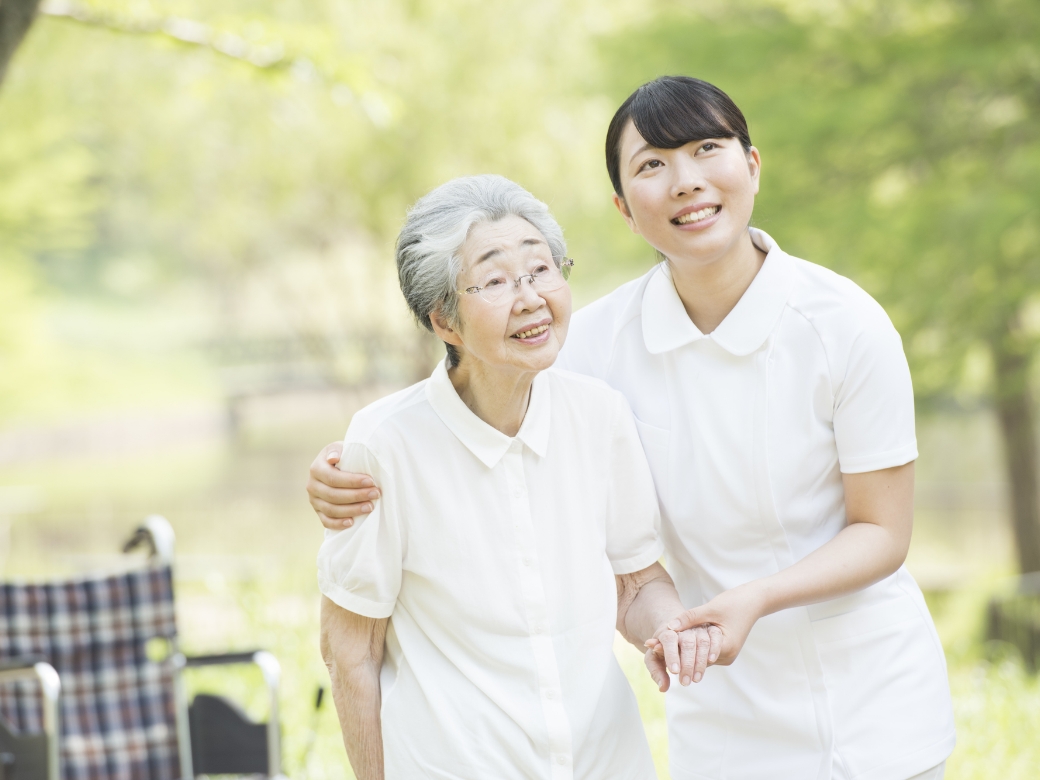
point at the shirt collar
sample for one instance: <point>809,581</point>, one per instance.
<point>667,326</point>
<point>487,443</point>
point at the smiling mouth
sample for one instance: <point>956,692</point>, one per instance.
<point>697,216</point>
<point>526,334</point>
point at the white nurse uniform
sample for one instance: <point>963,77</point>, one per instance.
<point>748,430</point>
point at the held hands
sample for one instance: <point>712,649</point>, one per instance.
<point>338,496</point>
<point>685,654</point>
<point>714,632</point>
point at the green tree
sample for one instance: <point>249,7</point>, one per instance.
<point>231,145</point>
<point>16,17</point>
<point>901,146</point>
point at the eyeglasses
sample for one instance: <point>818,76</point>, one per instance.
<point>545,278</point>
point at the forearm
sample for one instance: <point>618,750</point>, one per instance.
<point>879,506</point>
<point>357,697</point>
<point>352,646</point>
<point>646,599</point>
<point>860,555</point>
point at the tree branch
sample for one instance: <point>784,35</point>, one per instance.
<point>16,17</point>
<point>183,31</point>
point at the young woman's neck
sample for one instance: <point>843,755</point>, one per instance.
<point>709,291</point>
<point>498,398</point>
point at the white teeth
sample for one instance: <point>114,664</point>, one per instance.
<point>532,332</point>
<point>697,216</point>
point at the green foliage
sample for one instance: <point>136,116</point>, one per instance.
<point>192,173</point>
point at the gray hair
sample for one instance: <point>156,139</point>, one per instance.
<point>428,259</point>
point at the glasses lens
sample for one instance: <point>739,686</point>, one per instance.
<point>546,278</point>
<point>552,277</point>
<point>494,293</point>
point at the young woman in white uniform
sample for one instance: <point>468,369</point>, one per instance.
<point>775,406</point>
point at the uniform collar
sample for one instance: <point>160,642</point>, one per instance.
<point>487,443</point>
<point>667,326</point>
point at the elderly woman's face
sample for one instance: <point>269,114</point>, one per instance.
<point>525,328</point>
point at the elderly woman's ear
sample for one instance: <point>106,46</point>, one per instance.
<point>443,330</point>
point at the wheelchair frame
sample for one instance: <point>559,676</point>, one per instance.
<point>157,533</point>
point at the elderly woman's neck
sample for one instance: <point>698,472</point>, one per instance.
<point>499,398</point>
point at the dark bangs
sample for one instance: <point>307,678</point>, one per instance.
<point>672,111</point>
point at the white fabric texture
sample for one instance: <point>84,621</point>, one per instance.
<point>748,431</point>
<point>935,773</point>
<point>494,559</point>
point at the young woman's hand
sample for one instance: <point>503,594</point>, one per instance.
<point>338,496</point>
<point>686,654</point>
<point>732,614</point>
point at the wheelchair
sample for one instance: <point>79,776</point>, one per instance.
<point>80,699</point>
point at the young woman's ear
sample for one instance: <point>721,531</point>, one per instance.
<point>622,206</point>
<point>444,332</point>
<point>754,167</point>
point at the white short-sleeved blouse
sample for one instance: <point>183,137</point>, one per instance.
<point>494,559</point>
<point>748,431</point>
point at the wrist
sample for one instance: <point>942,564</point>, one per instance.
<point>759,596</point>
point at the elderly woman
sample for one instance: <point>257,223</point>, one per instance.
<point>468,621</point>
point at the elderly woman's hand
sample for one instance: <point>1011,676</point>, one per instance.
<point>732,613</point>
<point>686,654</point>
<point>338,496</point>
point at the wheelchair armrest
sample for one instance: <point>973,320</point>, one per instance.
<point>34,667</point>
<point>272,672</point>
<point>25,662</point>
<point>220,659</point>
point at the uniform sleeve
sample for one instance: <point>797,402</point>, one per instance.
<point>359,568</point>
<point>633,518</point>
<point>874,407</point>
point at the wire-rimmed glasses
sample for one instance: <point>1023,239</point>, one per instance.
<point>544,278</point>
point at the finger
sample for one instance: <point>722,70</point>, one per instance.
<point>654,646</point>
<point>670,645</point>
<point>703,646</point>
<point>324,472</point>
<point>340,496</point>
<point>334,523</point>
<point>333,451</point>
<point>715,646</point>
<point>693,650</point>
<point>655,666</point>
<point>341,511</point>
<point>685,620</point>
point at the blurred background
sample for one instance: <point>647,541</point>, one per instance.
<point>198,202</point>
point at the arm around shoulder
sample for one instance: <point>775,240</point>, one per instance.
<point>359,568</point>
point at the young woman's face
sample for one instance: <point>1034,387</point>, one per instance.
<point>525,328</point>
<point>692,204</point>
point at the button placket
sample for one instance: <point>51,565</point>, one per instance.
<point>536,606</point>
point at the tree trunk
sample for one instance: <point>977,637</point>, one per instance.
<point>16,16</point>
<point>1015,410</point>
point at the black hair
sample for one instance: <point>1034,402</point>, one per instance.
<point>672,111</point>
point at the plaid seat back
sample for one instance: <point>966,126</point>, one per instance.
<point>117,707</point>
